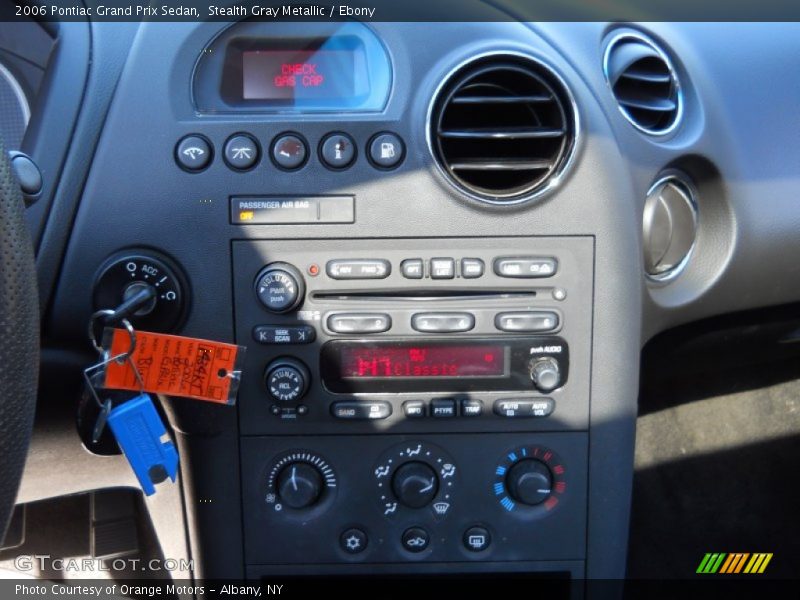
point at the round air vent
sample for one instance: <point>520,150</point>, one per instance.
<point>503,129</point>
<point>669,228</point>
<point>644,83</point>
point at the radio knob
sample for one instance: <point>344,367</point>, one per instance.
<point>286,379</point>
<point>280,287</point>
<point>415,484</point>
<point>299,485</point>
<point>529,481</point>
<point>545,374</point>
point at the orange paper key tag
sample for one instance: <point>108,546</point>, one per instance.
<point>175,366</point>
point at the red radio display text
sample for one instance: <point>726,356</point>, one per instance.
<point>423,361</point>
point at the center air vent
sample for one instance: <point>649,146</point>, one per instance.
<point>644,83</point>
<point>503,129</point>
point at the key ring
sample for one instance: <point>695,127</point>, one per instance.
<point>125,323</point>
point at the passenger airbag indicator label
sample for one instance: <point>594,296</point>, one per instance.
<point>274,210</point>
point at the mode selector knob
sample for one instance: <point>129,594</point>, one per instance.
<point>545,374</point>
<point>415,484</point>
<point>280,287</point>
<point>529,481</point>
<point>286,379</point>
<point>300,485</point>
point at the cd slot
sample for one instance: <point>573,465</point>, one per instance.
<point>422,295</point>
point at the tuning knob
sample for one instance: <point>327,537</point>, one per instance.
<point>415,484</point>
<point>300,485</point>
<point>529,481</point>
<point>545,374</point>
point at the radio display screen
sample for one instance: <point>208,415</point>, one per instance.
<point>418,361</point>
<point>289,74</point>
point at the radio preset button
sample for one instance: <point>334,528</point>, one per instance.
<point>442,322</point>
<point>525,267</point>
<point>357,411</point>
<point>359,322</point>
<point>279,334</point>
<point>412,268</point>
<point>537,321</point>
<point>471,268</point>
<point>358,269</point>
<point>443,268</point>
<point>414,409</point>
<point>443,407</point>
<point>471,408</point>
<point>524,408</point>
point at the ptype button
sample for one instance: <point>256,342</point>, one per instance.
<point>443,407</point>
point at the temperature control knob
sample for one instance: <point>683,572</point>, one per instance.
<point>280,287</point>
<point>415,484</point>
<point>529,481</point>
<point>300,485</point>
<point>286,379</point>
<point>545,374</point>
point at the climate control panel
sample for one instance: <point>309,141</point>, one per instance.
<point>390,498</point>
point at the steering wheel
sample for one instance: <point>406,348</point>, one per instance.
<point>19,339</point>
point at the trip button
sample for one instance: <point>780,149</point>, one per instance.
<point>411,268</point>
<point>359,322</point>
<point>277,334</point>
<point>525,408</point>
<point>525,267</point>
<point>442,322</point>
<point>541,320</point>
<point>443,407</point>
<point>443,268</point>
<point>359,411</point>
<point>358,269</point>
<point>471,268</point>
<point>471,408</point>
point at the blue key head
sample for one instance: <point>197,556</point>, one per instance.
<point>144,440</point>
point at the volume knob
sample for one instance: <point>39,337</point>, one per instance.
<point>280,287</point>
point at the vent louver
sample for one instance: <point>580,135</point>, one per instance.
<point>644,83</point>
<point>503,128</point>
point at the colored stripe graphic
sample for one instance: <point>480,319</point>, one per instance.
<point>734,563</point>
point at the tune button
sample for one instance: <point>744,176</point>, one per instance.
<point>286,379</point>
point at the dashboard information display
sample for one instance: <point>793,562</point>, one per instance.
<point>289,74</point>
<point>423,362</point>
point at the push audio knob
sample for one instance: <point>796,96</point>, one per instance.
<point>415,484</point>
<point>300,485</point>
<point>529,481</point>
<point>280,287</point>
<point>545,374</point>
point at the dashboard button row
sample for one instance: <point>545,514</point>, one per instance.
<point>514,408</point>
<point>538,321</point>
<point>527,267</point>
<point>289,151</point>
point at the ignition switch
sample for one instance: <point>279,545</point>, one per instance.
<point>127,273</point>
